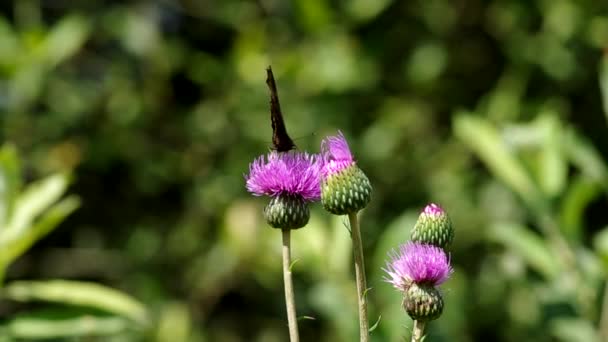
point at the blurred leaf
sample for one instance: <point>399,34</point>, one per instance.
<point>586,157</point>
<point>573,330</point>
<point>77,293</point>
<point>34,200</point>
<point>580,193</point>
<point>603,76</point>
<point>553,164</point>
<point>486,142</point>
<point>600,243</point>
<point>10,182</point>
<point>44,326</point>
<point>65,39</point>
<point>174,324</point>
<point>15,243</point>
<point>530,246</point>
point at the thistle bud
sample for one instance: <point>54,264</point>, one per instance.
<point>433,227</point>
<point>345,188</point>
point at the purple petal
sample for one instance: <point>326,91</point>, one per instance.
<point>336,154</point>
<point>293,172</point>
<point>417,263</point>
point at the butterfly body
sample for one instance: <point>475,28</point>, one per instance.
<point>281,142</point>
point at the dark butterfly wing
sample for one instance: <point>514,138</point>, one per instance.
<point>281,142</point>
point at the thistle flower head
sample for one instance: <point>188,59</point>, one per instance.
<point>292,173</point>
<point>417,263</point>
<point>336,154</point>
<point>345,188</point>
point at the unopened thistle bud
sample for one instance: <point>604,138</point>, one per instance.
<point>292,180</point>
<point>345,188</point>
<point>433,227</point>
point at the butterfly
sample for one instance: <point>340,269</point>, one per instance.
<point>281,142</point>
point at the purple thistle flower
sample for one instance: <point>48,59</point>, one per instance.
<point>417,263</point>
<point>433,209</point>
<point>336,154</point>
<point>291,173</point>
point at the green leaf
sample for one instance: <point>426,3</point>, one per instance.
<point>553,170</point>
<point>573,329</point>
<point>36,198</point>
<point>600,244</point>
<point>578,196</point>
<point>10,182</point>
<point>375,326</point>
<point>77,293</point>
<point>65,39</point>
<point>47,324</point>
<point>13,245</point>
<point>528,245</point>
<point>61,323</point>
<point>485,141</point>
<point>585,156</point>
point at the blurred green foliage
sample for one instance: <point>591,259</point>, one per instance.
<point>491,108</point>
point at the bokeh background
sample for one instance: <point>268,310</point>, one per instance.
<point>128,125</point>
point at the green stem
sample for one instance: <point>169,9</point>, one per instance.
<point>360,276</point>
<point>289,294</point>
<point>418,332</point>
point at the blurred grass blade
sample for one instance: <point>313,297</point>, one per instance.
<point>13,245</point>
<point>485,141</point>
<point>553,171</point>
<point>78,293</point>
<point>579,195</point>
<point>10,182</point>
<point>530,246</point>
<point>32,327</point>
<point>33,201</point>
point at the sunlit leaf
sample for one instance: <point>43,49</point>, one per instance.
<point>576,199</point>
<point>46,325</point>
<point>14,244</point>
<point>65,38</point>
<point>34,200</point>
<point>485,141</point>
<point>553,169</point>
<point>530,246</point>
<point>77,293</point>
<point>586,157</point>
<point>573,330</point>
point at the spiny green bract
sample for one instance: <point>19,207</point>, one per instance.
<point>423,302</point>
<point>346,191</point>
<point>287,212</point>
<point>434,230</point>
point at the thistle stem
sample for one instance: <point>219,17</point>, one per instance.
<point>290,302</point>
<point>360,276</point>
<point>418,332</point>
